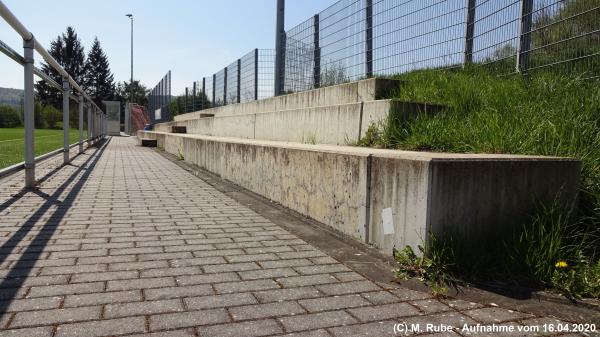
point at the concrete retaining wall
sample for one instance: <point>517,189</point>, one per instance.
<point>335,124</point>
<point>384,197</point>
<point>360,91</point>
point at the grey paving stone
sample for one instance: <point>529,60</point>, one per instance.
<point>287,294</point>
<point>267,273</point>
<point>385,311</point>
<point>219,301</point>
<point>27,304</point>
<point>142,308</point>
<point>54,316</point>
<point>334,302</point>
<point>102,328</point>
<point>243,286</point>
<point>102,298</point>
<point>242,329</point>
<point>266,310</point>
<point>317,321</point>
<point>348,287</point>
<point>46,331</point>
<point>495,315</point>
<point>177,292</point>
<point>306,280</point>
<point>188,319</point>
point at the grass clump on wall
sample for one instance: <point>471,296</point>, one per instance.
<point>540,114</point>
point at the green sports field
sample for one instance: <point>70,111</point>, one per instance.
<point>12,143</point>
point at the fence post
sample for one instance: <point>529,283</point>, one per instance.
<point>213,90</point>
<point>316,53</point>
<point>279,49</point>
<point>369,38</point>
<point>225,87</point>
<point>203,93</point>
<point>185,102</point>
<point>471,4</point>
<point>66,93</point>
<point>239,80</point>
<point>255,74</point>
<point>28,113</point>
<point>525,35</point>
<point>80,123</point>
<point>194,96</point>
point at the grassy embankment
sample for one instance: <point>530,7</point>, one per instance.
<point>542,114</point>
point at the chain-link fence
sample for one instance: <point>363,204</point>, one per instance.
<point>248,78</point>
<point>159,100</point>
<point>355,39</point>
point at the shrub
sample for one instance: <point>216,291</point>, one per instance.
<point>9,117</point>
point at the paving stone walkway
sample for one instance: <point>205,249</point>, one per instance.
<point>125,242</point>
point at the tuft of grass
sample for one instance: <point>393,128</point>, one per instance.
<point>542,114</point>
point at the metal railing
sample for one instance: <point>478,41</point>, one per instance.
<point>69,88</point>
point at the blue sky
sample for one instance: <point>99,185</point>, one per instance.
<point>193,38</point>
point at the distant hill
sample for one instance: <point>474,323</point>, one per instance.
<point>12,97</point>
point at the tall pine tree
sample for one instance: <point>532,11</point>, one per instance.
<point>98,79</point>
<point>68,52</point>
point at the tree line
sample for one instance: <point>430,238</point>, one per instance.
<point>91,71</point>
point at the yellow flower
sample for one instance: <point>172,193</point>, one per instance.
<point>561,264</point>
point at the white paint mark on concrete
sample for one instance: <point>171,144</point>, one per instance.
<point>388,221</point>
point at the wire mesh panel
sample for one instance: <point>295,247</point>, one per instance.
<point>299,58</point>
<point>208,87</point>
<point>342,41</point>
<point>565,36</point>
<point>248,76</point>
<point>496,33</point>
<point>159,100</point>
<point>266,73</point>
<point>232,83</point>
<point>220,88</point>
<point>409,35</point>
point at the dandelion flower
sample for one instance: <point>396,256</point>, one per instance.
<point>561,264</point>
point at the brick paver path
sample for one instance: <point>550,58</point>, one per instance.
<point>124,242</point>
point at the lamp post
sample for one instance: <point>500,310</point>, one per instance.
<point>130,16</point>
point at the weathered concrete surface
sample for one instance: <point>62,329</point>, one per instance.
<point>365,90</point>
<point>384,197</point>
<point>124,242</point>
<point>339,124</point>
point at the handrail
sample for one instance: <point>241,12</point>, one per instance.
<point>12,20</point>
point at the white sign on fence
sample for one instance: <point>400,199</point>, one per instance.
<point>157,114</point>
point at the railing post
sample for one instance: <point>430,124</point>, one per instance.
<point>66,93</point>
<point>239,80</point>
<point>471,5</point>
<point>28,114</point>
<point>225,87</point>
<point>369,38</point>
<point>316,54</point>
<point>80,124</point>
<point>89,124</point>
<point>525,35</point>
<point>256,74</point>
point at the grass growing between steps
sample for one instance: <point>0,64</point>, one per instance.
<point>542,114</point>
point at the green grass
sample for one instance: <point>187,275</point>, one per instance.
<point>542,114</point>
<point>46,140</point>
